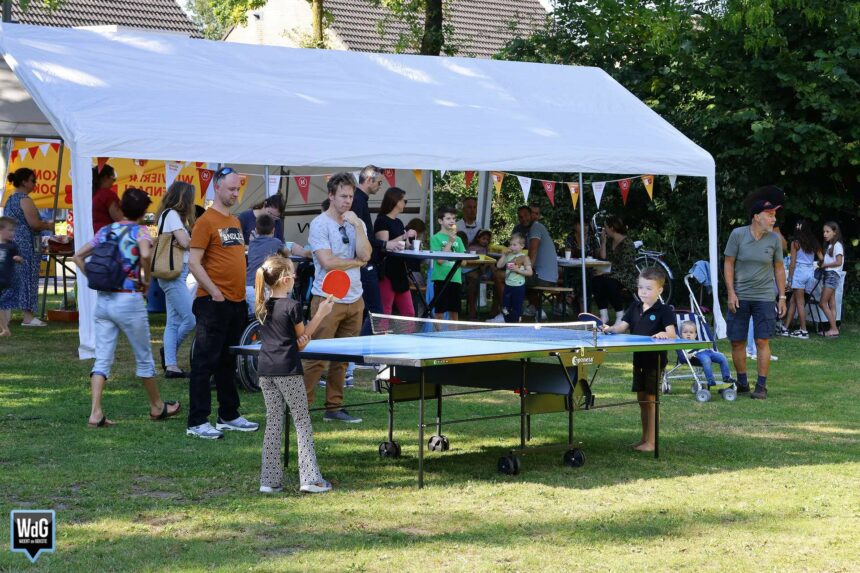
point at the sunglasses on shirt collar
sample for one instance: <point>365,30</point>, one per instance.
<point>343,236</point>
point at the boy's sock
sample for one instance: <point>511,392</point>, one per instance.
<point>761,382</point>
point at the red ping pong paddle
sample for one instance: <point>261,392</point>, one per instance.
<point>336,283</point>
<point>588,317</point>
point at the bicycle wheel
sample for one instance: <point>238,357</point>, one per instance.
<point>646,260</point>
<point>246,366</point>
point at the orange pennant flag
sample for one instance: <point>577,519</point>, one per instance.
<point>55,147</point>
<point>549,187</point>
<point>14,156</point>
<point>624,184</point>
<point>498,177</point>
<point>574,193</point>
<point>469,175</point>
<point>418,174</point>
<point>648,181</point>
<point>205,176</point>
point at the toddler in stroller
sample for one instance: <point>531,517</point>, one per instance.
<point>705,358</point>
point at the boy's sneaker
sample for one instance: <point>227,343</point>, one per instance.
<point>781,329</point>
<point>340,416</point>
<point>205,431</point>
<point>802,334</point>
<point>319,487</point>
<point>349,381</point>
<point>498,318</point>
<point>270,489</point>
<point>759,394</point>
<point>322,383</point>
<point>240,424</point>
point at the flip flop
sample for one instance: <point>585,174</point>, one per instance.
<point>164,412</point>
<point>103,423</point>
<point>825,335</point>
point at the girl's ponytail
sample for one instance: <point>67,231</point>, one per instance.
<point>260,295</point>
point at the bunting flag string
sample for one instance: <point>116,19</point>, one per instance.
<point>498,177</point>
<point>418,173</point>
<point>469,176</point>
<point>549,188</point>
<point>574,193</point>
<point>526,184</point>
<point>624,185</point>
<point>13,157</point>
<point>672,180</point>
<point>597,188</point>
<point>355,176</point>
<point>273,184</point>
<point>171,170</point>
<point>101,163</point>
<point>44,149</point>
<point>390,176</point>
<point>648,182</point>
<point>206,176</point>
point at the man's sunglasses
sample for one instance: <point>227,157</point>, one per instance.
<point>223,172</point>
<point>343,236</point>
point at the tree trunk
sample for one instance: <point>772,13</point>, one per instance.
<point>317,22</point>
<point>431,43</point>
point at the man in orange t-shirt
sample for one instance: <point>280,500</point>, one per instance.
<point>217,261</point>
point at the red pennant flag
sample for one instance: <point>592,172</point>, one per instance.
<point>390,177</point>
<point>55,147</point>
<point>549,187</point>
<point>101,163</point>
<point>624,184</point>
<point>14,156</point>
<point>199,164</point>
<point>303,182</point>
<point>33,151</point>
<point>469,176</point>
<point>206,176</point>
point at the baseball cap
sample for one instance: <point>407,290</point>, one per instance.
<point>763,205</point>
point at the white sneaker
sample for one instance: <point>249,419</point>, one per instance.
<point>268,489</point>
<point>34,322</point>
<point>751,356</point>
<point>774,357</point>
<point>240,424</point>
<point>498,318</point>
<point>320,487</point>
<point>205,431</point>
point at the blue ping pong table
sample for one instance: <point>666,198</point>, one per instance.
<point>423,363</point>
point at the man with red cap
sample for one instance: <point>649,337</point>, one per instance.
<point>753,262</point>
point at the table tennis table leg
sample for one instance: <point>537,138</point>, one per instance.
<point>421,431</point>
<point>523,421</point>
<point>657,423</point>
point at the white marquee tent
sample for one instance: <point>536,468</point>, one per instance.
<point>131,94</point>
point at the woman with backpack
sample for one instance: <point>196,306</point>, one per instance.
<point>119,257</point>
<point>176,217</point>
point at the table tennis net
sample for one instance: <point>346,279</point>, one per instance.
<point>502,332</point>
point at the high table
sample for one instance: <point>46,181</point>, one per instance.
<point>457,258</point>
<point>53,259</point>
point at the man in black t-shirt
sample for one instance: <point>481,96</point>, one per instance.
<point>648,317</point>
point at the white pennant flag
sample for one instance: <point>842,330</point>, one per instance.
<point>273,183</point>
<point>171,170</point>
<point>597,187</point>
<point>672,180</point>
<point>526,184</point>
<point>44,149</point>
<point>355,175</point>
<point>442,173</point>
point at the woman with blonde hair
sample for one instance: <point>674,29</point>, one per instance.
<point>176,216</point>
<point>283,335</point>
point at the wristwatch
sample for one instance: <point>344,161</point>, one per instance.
<point>782,297</point>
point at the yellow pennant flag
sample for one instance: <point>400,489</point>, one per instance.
<point>574,193</point>
<point>498,177</point>
<point>417,173</point>
<point>648,181</point>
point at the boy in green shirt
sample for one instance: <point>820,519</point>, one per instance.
<point>446,240</point>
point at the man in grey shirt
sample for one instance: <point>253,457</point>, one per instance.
<point>753,263</point>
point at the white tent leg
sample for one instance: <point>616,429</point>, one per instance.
<point>82,202</point>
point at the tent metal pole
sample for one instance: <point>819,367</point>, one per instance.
<point>59,178</point>
<point>582,243</point>
<point>430,216</point>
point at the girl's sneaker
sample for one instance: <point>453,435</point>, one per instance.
<point>781,329</point>
<point>799,334</point>
<point>271,489</point>
<point>319,487</point>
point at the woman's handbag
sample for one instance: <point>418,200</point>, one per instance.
<point>167,258</point>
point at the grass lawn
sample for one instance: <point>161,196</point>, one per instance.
<point>744,486</point>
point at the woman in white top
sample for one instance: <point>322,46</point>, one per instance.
<point>176,212</point>
<point>834,256</point>
<point>805,250</point>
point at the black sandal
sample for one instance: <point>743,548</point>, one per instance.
<point>164,413</point>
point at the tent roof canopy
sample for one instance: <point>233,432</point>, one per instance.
<point>19,115</point>
<point>131,94</point>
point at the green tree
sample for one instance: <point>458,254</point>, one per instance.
<point>768,87</point>
<point>427,31</point>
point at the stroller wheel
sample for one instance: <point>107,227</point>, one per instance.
<point>729,394</point>
<point>703,396</point>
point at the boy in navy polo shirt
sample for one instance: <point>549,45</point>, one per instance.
<point>648,317</point>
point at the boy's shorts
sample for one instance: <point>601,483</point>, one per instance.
<point>450,299</point>
<point>763,314</point>
<point>646,379</point>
